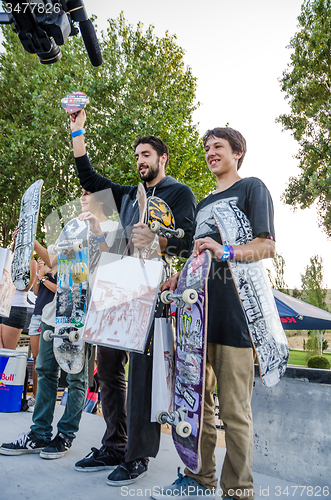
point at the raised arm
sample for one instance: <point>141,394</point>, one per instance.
<point>77,122</point>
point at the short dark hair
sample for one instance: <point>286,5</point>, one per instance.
<point>235,139</point>
<point>156,143</point>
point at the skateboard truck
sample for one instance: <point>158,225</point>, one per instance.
<point>72,336</point>
<point>177,419</point>
<point>189,296</point>
<point>77,246</point>
<point>157,228</point>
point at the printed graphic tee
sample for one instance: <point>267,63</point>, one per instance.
<point>226,320</point>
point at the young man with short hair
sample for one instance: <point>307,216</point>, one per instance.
<point>128,452</point>
<point>230,357</point>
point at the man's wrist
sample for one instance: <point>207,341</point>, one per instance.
<point>76,133</point>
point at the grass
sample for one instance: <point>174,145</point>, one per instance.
<point>299,357</point>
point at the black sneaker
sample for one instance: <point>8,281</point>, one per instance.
<point>128,472</point>
<point>26,443</point>
<point>58,447</point>
<point>102,459</point>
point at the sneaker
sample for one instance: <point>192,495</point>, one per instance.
<point>183,487</point>
<point>128,472</point>
<point>26,443</point>
<point>31,403</point>
<point>58,447</point>
<point>102,459</point>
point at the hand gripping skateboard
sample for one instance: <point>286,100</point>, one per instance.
<point>74,102</point>
<point>71,296</point>
<point>27,224</point>
<point>160,220</point>
<point>191,348</point>
<point>255,294</point>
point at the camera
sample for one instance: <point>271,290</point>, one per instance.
<point>43,25</point>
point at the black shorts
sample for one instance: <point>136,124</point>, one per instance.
<point>17,317</point>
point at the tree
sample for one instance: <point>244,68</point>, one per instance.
<point>276,277</point>
<point>314,293</point>
<point>143,87</point>
<point>307,85</point>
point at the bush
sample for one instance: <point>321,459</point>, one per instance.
<point>318,362</point>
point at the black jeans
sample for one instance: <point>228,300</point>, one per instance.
<point>111,372</point>
<point>143,435</point>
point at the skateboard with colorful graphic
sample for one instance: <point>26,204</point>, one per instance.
<point>161,221</point>
<point>24,243</point>
<point>142,206</point>
<point>255,294</point>
<point>71,296</point>
<point>191,348</point>
<point>157,214</point>
<point>73,103</point>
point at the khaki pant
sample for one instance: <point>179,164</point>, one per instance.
<point>234,370</point>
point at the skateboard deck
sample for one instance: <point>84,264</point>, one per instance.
<point>73,103</point>
<point>27,224</point>
<point>142,205</point>
<point>255,294</point>
<point>161,221</point>
<point>191,349</point>
<point>71,296</point>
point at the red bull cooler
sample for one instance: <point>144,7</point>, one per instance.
<point>12,375</point>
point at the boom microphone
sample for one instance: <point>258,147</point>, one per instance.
<point>91,42</point>
<point>43,25</point>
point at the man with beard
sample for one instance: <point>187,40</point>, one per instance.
<point>127,452</point>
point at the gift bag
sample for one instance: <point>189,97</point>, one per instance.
<point>163,381</point>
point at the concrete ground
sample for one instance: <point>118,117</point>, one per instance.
<point>28,477</point>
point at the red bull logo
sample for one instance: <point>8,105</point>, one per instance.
<point>6,378</point>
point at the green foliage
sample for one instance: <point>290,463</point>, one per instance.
<point>307,85</point>
<point>318,362</point>
<point>313,290</point>
<point>296,293</point>
<point>276,277</point>
<point>143,87</point>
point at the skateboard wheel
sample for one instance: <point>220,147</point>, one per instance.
<point>73,336</point>
<point>184,429</point>
<point>165,297</point>
<point>190,296</point>
<point>161,417</point>
<point>155,226</point>
<point>180,233</point>
<point>47,335</point>
<point>52,250</point>
<point>77,246</point>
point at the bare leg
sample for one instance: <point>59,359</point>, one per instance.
<point>10,336</point>
<point>34,343</point>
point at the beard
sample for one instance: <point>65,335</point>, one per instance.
<point>151,173</point>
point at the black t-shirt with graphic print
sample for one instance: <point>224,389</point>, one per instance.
<point>226,320</point>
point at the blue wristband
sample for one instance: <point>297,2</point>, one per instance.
<point>101,239</point>
<point>226,253</point>
<point>78,132</point>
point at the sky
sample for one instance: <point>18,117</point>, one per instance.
<point>237,50</point>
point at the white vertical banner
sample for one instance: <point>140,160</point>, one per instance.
<point>163,381</point>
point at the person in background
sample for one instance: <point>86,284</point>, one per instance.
<point>39,438</point>
<point>44,287</point>
<point>11,328</point>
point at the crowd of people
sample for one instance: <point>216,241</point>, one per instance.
<point>130,438</point>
